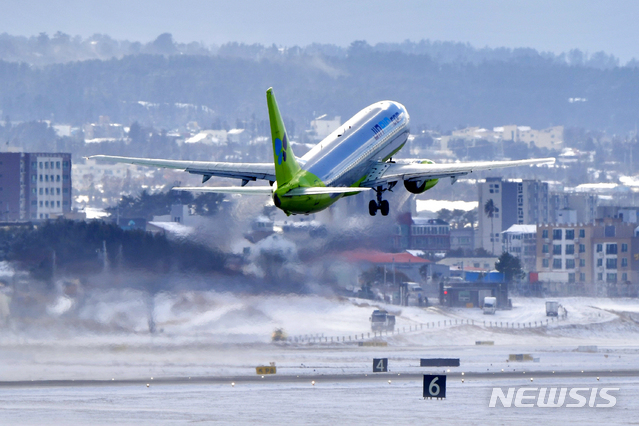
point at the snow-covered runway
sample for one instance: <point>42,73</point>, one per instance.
<point>325,403</point>
<point>95,370</point>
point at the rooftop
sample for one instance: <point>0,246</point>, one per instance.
<point>521,229</point>
<point>374,256</point>
<point>173,228</point>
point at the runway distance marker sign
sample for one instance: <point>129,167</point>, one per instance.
<point>380,365</point>
<point>435,386</point>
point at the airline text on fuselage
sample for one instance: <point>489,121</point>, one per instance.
<point>378,129</point>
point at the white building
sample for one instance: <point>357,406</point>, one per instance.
<point>52,186</point>
<point>322,127</point>
<point>521,241</point>
<point>551,138</point>
<point>92,172</point>
<point>209,137</point>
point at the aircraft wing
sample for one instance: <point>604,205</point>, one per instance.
<point>244,171</point>
<point>383,173</point>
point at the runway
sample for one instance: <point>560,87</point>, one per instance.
<point>384,399</point>
<point>333,378</point>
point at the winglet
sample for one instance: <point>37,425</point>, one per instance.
<point>286,166</point>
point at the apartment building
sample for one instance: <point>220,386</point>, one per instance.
<point>615,252</point>
<point>516,202</point>
<point>566,207</point>
<point>601,258</point>
<point>565,253</point>
<point>34,186</point>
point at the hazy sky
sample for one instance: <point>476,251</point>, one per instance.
<point>547,25</point>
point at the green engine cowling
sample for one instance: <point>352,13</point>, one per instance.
<point>417,187</point>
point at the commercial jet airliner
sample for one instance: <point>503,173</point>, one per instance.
<point>355,158</point>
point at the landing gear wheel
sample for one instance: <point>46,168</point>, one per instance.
<point>384,207</point>
<point>372,208</point>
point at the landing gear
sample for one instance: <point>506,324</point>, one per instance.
<point>372,208</point>
<point>382,205</point>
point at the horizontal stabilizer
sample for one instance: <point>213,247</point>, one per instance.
<point>318,190</point>
<point>250,171</point>
<point>266,190</point>
<point>246,190</point>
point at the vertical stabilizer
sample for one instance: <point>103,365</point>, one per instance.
<point>286,166</point>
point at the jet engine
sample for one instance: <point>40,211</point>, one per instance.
<point>419,186</point>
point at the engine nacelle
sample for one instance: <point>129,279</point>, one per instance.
<point>417,187</point>
<point>414,187</point>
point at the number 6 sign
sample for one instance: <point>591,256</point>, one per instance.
<point>434,386</point>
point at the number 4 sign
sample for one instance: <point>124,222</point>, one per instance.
<point>434,386</point>
<point>380,365</point>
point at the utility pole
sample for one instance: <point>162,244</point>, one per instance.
<point>104,253</point>
<point>53,266</point>
<point>385,286</point>
<point>394,282</point>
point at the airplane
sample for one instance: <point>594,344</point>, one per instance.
<point>355,158</point>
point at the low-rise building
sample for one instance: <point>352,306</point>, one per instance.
<point>209,137</point>
<point>477,264</point>
<point>551,138</point>
<point>322,126</point>
<point>521,241</point>
<point>103,131</point>
<point>462,238</point>
<point>418,233</point>
<point>92,172</point>
<point>415,268</point>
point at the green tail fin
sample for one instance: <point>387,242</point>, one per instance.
<point>286,166</point>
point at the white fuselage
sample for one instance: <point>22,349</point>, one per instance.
<point>371,136</point>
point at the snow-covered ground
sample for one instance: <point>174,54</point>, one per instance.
<point>433,206</point>
<point>325,403</point>
<point>253,318</point>
<point>218,336</point>
<point>207,333</point>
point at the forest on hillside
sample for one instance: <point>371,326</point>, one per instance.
<point>444,86</point>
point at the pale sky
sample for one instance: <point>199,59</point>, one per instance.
<point>546,25</point>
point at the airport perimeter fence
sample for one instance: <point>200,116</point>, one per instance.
<point>360,337</point>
